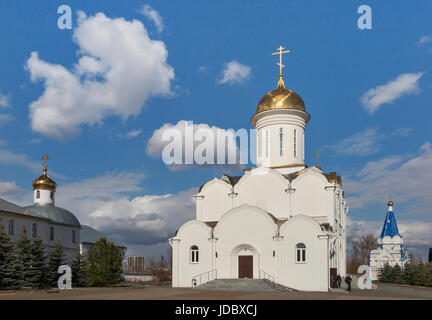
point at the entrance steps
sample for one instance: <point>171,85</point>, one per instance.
<point>243,285</point>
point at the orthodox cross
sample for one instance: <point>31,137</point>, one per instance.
<point>280,53</point>
<point>45,158</point>
<point>317,154</point>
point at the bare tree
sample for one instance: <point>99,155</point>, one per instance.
<point>360,254</point>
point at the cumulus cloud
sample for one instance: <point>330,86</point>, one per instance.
<point>119,68</point>
<point>104,203</point>
<point>9,188</point>
<point>407,178</point>
<point>235,72</point>
<point>4,100</point>
<point>152,15</point>
<point>185,144</point>
<point>404,84</point>
<point>425,39</point>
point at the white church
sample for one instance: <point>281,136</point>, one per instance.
<point>390,249</point>
<point>282,221</point>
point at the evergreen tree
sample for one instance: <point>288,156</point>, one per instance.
<point>409,273</point>
<point>24,259</point>
<point>104,264</point>
<point>79,271</point>
<point>55,260</point>
<point>38,273</point>
<point>386,274</point>
<point>396,273</point>
<point>8,279</point>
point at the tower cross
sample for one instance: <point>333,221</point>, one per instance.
<point>45,158</point>
<point>317,155</point>
<point>280,52</point>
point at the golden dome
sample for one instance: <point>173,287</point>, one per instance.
<point>280,98</point>
<point>44,182</point>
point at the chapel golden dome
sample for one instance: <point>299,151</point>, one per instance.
<point>280,98</point>
<point>44,182</point>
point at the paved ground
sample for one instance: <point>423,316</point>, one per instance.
<point>164,292</point>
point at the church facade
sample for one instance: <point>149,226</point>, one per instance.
<point>390,249</point>
<point>282,221</point>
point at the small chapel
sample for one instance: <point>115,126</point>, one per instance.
<point>282,221</point>
<point>390,249</point>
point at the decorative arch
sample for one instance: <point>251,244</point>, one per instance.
<point>238,253</point>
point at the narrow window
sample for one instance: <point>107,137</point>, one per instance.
<point>295,143</point>
<point>300,253</point>
<point>34,230</point>
<point>266,143</point>
<point>11,227</point>
<point>280,140</point>
<point>194,254</point>
<point>51,233</point>
<point>37,194</point>
<point>73,236</point>
<point>52,195</point>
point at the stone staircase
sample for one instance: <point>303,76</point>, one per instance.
<point>261,285</point>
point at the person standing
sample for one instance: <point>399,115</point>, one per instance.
<point>348,280</point>
<point>338,280</point>
<point>331,281</point>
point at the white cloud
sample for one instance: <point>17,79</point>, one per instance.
<point>4,100</point>
<point>119,68</point>
<point>425,39</point>
<point>407,178</point>
<point>8,188</point>
<point>153,15</point>
<point>147,220</point>
<point>5,118</point>
<point>133,133</point>
<point>225,142</point>
<point>404,84</point>
<point>365,143</point>
<point>235,72</point>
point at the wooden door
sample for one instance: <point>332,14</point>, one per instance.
<point>245,266</point>
<point>333,272</point>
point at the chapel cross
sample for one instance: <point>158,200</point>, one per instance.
<point>280,53</point>
<point>317,154</point>
<point>45,158</point>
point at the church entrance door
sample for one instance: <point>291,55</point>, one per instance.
<point>245,267</point>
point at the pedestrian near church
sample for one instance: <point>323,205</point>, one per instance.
<point>348,280</point>
<point>338,280</point>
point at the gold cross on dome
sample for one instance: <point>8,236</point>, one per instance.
<point>45,158</point>
<point>280,53</point>
<point>317,154</point>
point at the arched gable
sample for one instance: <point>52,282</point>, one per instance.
<point>298,220</point>
<point>264,188</point>
<point>245,217</point>
<point>214,200</point>
<point>310,196</point>
<point>192,224</point>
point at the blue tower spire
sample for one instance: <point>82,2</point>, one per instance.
<point>390,226</point>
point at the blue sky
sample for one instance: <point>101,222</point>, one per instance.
<point>333,65</point>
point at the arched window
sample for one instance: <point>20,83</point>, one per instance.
<point>11,227</point>
<point>73,236</point>
<point>295,143</point>
<point>267,142</point>
<point>34,230</point>
<point>37,194</point>
<point>194,254</point>
<point>51,233</point>
<point>52,195</point>
<point>300,253</point>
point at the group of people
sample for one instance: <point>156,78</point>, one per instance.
<point>338,280</point>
